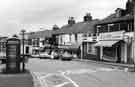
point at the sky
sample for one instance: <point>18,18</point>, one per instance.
<point>34,15</point>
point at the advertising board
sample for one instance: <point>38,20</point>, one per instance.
<point>111,35</point>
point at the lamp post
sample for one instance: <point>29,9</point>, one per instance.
<point>134,36</point>
<point>23,33</point>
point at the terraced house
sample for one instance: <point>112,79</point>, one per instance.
<point>37,41</point>
<point>71,36</point>
<point>116,35</point>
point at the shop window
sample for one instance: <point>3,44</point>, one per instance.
<point>109,52</point>
<point>131,26</point>
<point>113,27</point>
<point>104,28</point>
<point>91,49</point>
<point>124,26</point>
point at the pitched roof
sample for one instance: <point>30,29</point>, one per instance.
<point>113,19</point>
<point>4,39</point>
<point>40,34</point>
<point>80,27</point>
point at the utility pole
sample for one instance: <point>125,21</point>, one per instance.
<point>134,36</point>
<point>23,33</point>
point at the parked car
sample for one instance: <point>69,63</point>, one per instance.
<point>54,55</point>
<point>66,56</point>
<point>35,56</point>
<point>45,55</point>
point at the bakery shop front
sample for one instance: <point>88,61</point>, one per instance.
<point>112,47</point>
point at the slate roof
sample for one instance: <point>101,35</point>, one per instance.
<point>40,34</point>
<point>113,19</point>
<point>3,39</point>
<point>80,27</point>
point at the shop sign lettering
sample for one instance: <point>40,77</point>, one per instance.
<point>111,36</point>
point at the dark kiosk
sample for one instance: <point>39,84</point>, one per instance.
<point>13,55</point>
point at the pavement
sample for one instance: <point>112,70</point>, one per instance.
<point>125,67</point>
<point>16,80</point>
<point>23,79</point>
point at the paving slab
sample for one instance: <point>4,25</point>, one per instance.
<point>16,80</point>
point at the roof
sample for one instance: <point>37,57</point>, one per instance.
<point>113,19</point>
<point>3,39</point>
<point>80,27</point>
<point>40,34</point>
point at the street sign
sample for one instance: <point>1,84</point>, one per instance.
<point>13,55</point>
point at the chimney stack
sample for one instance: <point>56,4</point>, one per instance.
<point>55,27</point>
<point>87,17</point>
<point>71,21</point>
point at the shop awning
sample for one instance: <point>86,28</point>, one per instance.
<point>106,43</point>
<point>69,46</point>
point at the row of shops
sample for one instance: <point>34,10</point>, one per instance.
<point>110,39</point>
<point>111,46</point>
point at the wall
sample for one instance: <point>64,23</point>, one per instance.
<point>79,38</point>
<point>69,39</point>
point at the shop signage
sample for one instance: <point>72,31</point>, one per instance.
<point>111,35</point>
<point>128,37</point>
<point>90,39</point>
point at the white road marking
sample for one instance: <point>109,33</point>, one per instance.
<point>42,82</point>
<point>73,82</point>
<point>60,85</point>
<point>41,76</point>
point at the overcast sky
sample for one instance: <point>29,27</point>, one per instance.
<point>35,14</point>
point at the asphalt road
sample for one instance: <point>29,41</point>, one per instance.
<point>57,73</point>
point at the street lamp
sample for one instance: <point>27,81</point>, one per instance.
<point>23,33</point>
<point>134,36</point>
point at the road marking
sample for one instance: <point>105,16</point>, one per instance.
<point>42,77</point>
<point>60,85</point>
<point>73,82</point>
<point>37,81</point>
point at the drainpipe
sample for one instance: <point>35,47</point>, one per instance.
<point>101,53</point>
<point>82,51</point>
<point>134,40</point>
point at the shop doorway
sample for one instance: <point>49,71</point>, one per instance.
<point>27,50</point>
<point>118,54</point>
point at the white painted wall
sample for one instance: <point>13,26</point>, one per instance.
<point>68,39</point>
<point>79,38</point>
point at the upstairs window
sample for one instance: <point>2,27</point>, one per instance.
<point>111,27</point>
<point>76,36</point>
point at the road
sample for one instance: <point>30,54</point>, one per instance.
<point>57,73</point>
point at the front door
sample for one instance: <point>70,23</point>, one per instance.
<point>118,53</point>
<point>27,50</point>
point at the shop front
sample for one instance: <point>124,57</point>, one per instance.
<point>112,46</point>
<point>89,50</point>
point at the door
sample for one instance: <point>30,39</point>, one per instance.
<point>118,53</point>
<point>27,50</point>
